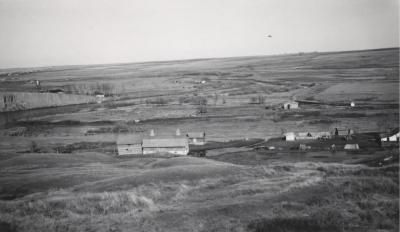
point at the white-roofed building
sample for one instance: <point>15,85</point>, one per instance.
<point>290,136</point>
<point>175,146</point>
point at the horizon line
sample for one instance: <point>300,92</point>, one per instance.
<point>194,59</point>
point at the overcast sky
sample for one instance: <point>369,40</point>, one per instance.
<point>58,32</point>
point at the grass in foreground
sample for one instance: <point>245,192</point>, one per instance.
<point>244,198</point>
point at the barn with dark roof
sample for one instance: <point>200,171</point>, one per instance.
<point>129,145</point>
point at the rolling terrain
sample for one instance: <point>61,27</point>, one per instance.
<point>62,172</point>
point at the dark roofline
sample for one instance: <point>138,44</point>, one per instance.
<point>164,147</point>
<point>196,134</point>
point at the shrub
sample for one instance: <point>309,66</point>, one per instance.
<point>33,147</point>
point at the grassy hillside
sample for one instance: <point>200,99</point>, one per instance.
<point>62,172</point>
<point>92,192</point>
<point>25,100</point>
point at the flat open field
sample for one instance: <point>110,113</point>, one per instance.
<point>62,172</point>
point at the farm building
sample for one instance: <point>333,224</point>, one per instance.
<point>390,139</point>
<point>305,136</point>
<point>290,136</point>
<point>351,146</point>
<point>313,135</point>
<point>196,138</point>
<point>290,105</point>
<point>129,145</point>
<point>323,135</point>
<point>175,146</point>
<point>393,136</point>
<point>343,132</point>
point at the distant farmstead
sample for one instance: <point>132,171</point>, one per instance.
<point>174,146</point>
<point>196,138</point>
<point>129,145</point>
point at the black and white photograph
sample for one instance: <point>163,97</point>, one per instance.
<point>199,115</point>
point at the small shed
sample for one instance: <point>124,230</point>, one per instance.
<point>175,146</point>
<point>351,146</point>
<point>129,145</point>
<point>393,136</point>
<point>100,98</point>
<point>290,136</point>
<point>390,139</point>
<point>290,105</point>
<point>196,138</point>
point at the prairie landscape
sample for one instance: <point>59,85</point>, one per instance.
<point>60,170</point>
